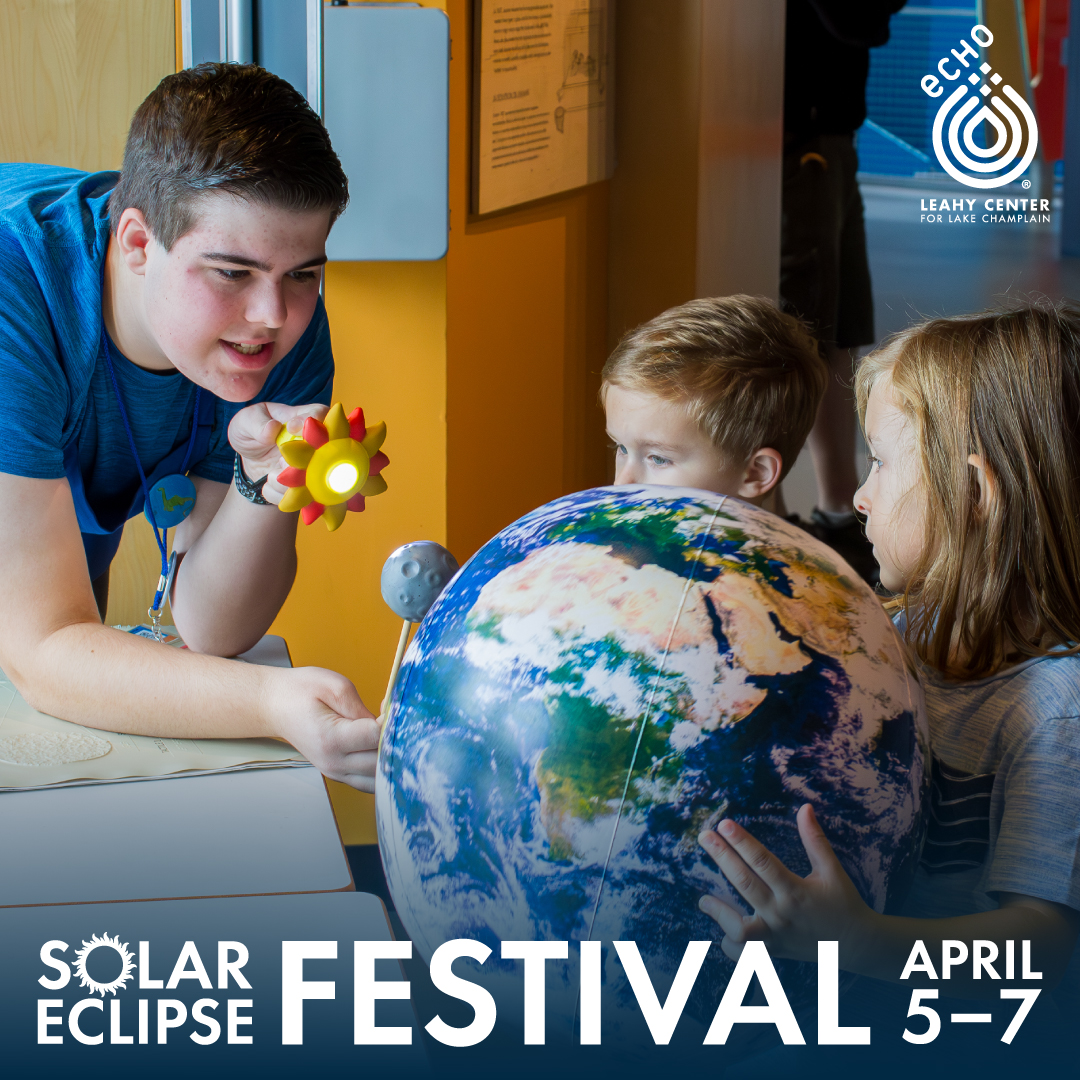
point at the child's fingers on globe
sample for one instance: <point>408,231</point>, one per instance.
<point>733,868</point>
<point>743,880</point>
<point>728,918</point>
<point>355,768</point>
<point>733,945</point>
<point>358,737</point>
<point>342,748</point>
<point>346,707</point>
<point>361,783</point>
<point>757,857</point>
<point>731,949</point>
<point>748,929</point>
<point>712,842</point>
<point>815,843</point>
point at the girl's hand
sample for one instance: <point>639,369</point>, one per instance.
<point>791,914</point>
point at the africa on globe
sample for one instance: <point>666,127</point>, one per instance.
<point>610,675</point>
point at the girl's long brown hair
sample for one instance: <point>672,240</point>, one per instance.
<point>999,583</point>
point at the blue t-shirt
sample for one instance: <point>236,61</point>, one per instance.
<point>55,390</point>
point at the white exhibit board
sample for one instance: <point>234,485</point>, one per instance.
<point>543,99</point>
<point>385,102</point>
<point>237,834</point>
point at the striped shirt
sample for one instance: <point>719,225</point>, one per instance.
<point>1005,796</point>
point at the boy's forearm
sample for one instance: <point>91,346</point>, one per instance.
<point>100,677</point>
<point>235,577</point>
<point>881,946</point>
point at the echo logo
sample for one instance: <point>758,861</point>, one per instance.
<point>981,97</point>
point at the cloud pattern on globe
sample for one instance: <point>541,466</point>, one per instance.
<point>611,674</point>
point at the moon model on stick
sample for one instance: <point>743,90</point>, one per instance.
<point>412,579</point>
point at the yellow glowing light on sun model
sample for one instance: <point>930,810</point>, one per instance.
<point>342,477</point>
<point>332,466</point>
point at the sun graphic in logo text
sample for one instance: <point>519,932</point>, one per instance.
<point>126,960</point>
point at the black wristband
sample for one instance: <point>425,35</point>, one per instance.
<point>250,489</point>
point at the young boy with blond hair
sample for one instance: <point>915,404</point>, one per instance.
<point>718,394</point>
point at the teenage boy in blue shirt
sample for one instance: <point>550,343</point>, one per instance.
<point>188,284</point>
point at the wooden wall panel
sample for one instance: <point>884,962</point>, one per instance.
<point>124,48</point>
<point>526,326</point>
<point>740,147</point>
<point>38,98</point>
<point>71,74</point>
<point>695,199</point>
<point>73,71</point>
<point>654,192</point>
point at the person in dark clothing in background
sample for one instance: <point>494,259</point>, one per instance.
<point>824,274</point>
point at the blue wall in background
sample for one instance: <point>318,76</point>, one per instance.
<point>897,139</point>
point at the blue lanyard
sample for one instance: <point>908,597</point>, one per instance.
<point>167,565</point>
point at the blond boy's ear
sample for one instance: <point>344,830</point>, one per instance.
<point>761,475</point>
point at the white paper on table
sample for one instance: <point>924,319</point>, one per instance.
<point>135,757</point>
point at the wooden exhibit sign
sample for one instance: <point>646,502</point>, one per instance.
<point>542,99</point>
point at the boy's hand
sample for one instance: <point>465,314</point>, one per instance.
<point>791,914</point>
<point>253,435</point>
<point>321,714</point>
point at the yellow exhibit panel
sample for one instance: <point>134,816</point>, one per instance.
<point>388,323</point>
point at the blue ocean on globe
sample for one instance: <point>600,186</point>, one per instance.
<point>606,677</point>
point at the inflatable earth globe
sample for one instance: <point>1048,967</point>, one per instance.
<point>610,675</point>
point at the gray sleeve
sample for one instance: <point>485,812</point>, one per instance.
<point>1037,847</point>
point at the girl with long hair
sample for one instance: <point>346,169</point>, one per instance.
<point>973,507</point>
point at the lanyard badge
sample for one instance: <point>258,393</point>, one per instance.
<point>169,502</point>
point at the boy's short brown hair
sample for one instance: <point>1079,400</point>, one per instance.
<point>234,128</point>
<point>750,375</point>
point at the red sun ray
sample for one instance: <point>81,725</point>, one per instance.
<point>357,428</point>
<point>315,432</point>
<point>312,511</point>
<point>292,477</point>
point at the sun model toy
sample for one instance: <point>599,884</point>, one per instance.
<point>332,466</point>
